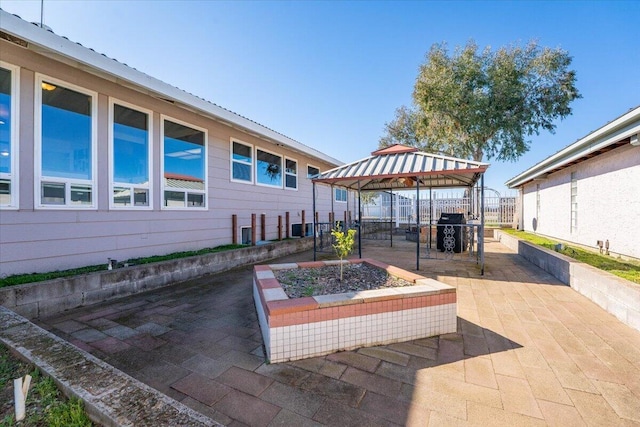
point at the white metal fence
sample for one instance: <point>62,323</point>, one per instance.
<point>498,210</point>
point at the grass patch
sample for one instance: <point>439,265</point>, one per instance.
<point>629,270</point>
<point>45,405</point>
<point>176,255</point>
<point>19,279</point>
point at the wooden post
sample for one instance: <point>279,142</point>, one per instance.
<point>253,229</point>
<point>317,217</point>
<point>234,229</point>
<point>302,232</point>
<point>279,227</point>
<point>263,226</point>
<point>345,220</point>
<point>288,225</point>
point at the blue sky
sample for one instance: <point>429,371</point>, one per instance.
<point>330,74</point>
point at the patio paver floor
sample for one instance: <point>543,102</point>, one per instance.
<point>529,351</point>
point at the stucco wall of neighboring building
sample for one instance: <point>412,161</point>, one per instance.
<point>608,197</point>
<point>36,239</point>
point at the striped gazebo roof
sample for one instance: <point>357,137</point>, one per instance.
<point>398,167</point>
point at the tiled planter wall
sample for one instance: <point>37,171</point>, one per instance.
<point>312,326</point>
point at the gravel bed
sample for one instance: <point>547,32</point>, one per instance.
<point>305,282</point>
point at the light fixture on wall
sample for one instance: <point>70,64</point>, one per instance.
<point>635,141</point>
<point>48,86</point>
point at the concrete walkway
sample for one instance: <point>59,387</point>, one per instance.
<point>529,351</point>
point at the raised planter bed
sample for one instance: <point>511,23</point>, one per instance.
<point>313,326</point>
<point>42,299</point>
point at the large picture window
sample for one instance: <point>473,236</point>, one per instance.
<point>241,162</point>
<point>66,155</point>
<point>8,136</point>
<point>184,166</point>
<point>268,168</point>
<point>131,155</point>
<point>291,174</point>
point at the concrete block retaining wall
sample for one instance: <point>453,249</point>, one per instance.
<point>42,299</point>
<point>618,296</point>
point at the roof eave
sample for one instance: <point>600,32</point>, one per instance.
<point>47,41</point>
<point>623,127</point>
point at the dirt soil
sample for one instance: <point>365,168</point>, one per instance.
<point>304,282</point>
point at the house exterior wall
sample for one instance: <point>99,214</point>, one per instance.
<point>36,239</point>
<point>608,197</point>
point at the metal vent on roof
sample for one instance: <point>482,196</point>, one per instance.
<point>13,39</point>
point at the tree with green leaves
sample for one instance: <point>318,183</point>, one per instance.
<point>476,103</point>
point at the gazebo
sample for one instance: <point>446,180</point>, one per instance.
<point>400,167</point>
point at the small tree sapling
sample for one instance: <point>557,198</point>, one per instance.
<point>344,243</point>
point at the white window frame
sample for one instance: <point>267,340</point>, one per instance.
<point>312,166</point>
<point>112,160</point>
<point>232,161</point>
<point>13,176</point>
<point>284,177</point>
<point>39,178</point>
<point>281,168</point>
<point>335,194</point>
<point>205,192</point>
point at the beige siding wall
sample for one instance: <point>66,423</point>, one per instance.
<point>35,240</point>
<point>608,202</point>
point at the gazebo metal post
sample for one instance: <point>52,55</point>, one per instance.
<point>345,227</point>
<point>315,224</point>
<point>391,222</point>
<point>359,223</point>
<point>481,236</point>
<point>418,223</point>
<point>333,214</point>
<point>430,218</point>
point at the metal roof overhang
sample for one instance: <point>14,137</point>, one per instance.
<point>49,44</point>
<point>395,170</point>
<point>610,136</point>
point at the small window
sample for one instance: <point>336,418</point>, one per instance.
<point>184,165</point>
<point>131,157</point>
<point>66,149</point>
<point>291,174</point>
<point>312,171</point>
<point>8,136</point>
<point>340,195</point>
<point>268,168</point>
<point>241,162</point>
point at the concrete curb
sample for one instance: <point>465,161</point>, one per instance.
<point>111,397</point>
<point>616,295</point>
